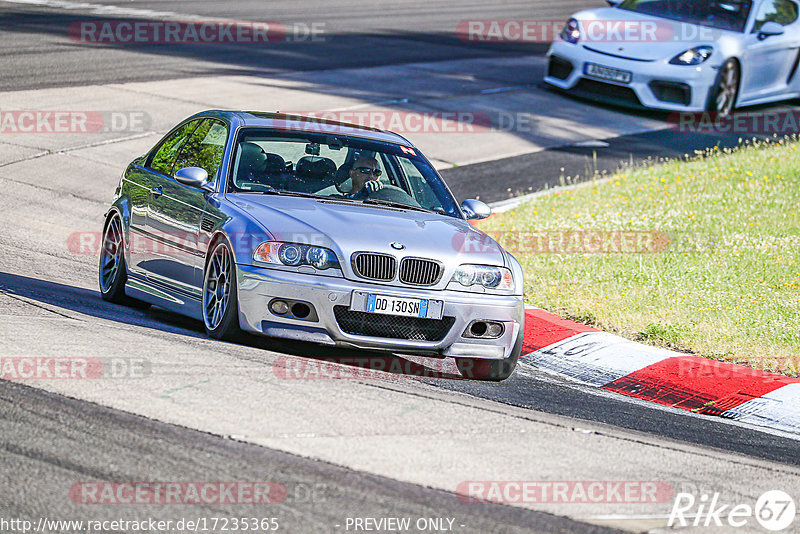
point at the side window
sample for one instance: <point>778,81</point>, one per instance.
<point>784,12</point>
<point>165,155</point>
<point>204,148</point>
<point>420,189</point>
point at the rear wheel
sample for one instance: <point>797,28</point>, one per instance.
<point>220,303</point>
<point>490,370</point>
<point>722,97</point>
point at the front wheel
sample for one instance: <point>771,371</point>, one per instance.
<point>220,303</point>
<point>113,271</point>
<point>490,370</point>
<point>723,95</point>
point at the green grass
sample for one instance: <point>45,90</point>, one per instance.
<point>700,256</point>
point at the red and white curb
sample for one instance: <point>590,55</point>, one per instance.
<point>589,356</point>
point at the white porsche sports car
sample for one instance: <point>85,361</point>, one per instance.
<point>680,55</point>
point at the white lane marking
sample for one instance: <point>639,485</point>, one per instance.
<point>145,14</point>
<point>66,151</point>
<point>593,143</point>
<point>371,104</point>
<point>110,10</point>
<point>617,517</point>
<point>100,9</point>
<point>506,205</point>
<point>501,89</point>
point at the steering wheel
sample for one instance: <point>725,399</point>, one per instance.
<point>392,193</point>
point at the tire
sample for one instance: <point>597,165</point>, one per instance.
<point>723,95</point>
<point>491,370</point>
<point>220,302</point>
<point>112,271</point>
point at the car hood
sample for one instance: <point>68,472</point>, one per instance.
<point>347,227</point>
<point>648,38</point>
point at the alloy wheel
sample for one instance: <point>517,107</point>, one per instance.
<point>728,89</point>
<point>217,287</point>
<point>111,254</point>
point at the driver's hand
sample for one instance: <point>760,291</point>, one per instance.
<point>373,185</point>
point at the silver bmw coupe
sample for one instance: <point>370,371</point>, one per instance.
<point>312,230</point>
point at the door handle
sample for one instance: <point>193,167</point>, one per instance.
<point>157,191</point>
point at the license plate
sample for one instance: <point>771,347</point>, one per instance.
<point>398,306</point>
<point>607,73</point>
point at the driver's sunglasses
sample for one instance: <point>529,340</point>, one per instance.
<point>367,170</point>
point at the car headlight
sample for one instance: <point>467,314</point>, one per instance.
<point>295,254</point>
<point>693,56</point>
<point>484,276</point>
<point>571,32</point>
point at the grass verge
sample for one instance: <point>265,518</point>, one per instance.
<point>699,256</point>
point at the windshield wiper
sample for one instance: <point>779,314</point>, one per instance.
<point>283,193</point>
<point>391,204</point>
<point>373,201</point>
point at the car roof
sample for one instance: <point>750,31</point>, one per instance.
<point>300,123</point>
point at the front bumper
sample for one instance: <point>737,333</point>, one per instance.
<point>655,84</point>
<point>257,287</point>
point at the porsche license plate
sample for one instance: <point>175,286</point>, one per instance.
<point>608,73</point>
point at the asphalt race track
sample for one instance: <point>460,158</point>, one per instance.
<point>344,443</point>
<point>357,34</point>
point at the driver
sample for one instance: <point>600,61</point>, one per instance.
<point>364,175</point>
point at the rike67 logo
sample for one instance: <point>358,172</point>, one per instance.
<point>774,510</point>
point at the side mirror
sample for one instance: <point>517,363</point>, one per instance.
<point>613,3</point>
<point>770,29</point>
<point>194,177</point>
<point>475,209</point>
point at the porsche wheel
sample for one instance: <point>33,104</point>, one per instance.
<point>723,96</point>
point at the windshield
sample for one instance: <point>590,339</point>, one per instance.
<point>337,167</point>
<point>731,15</point>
